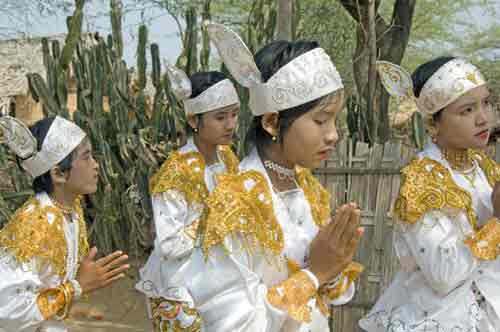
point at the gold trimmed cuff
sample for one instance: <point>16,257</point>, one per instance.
<point>293,295</point>
<point>55,302</point>
<point>331,292</point>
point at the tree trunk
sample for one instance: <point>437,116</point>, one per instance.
<point>285,19</point>
<point>391,41</point>
<point>372,70</point>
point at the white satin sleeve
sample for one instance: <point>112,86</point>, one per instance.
<point>171,217</point>
<point>436,245</point>
<point>19,289</point>
<point>229,295</point>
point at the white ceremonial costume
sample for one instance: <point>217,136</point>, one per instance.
<point>251,272</point>
<point>41,246</point>
<point>446,237</point>
<point>178,193</point>
<point>440,252</point>
<point>232,284</point>
<point>178,204</point>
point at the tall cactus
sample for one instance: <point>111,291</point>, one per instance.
<point>116,26</point>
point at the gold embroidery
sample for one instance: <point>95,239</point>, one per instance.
<point>234,209</point>
<point>490,167</point>
<point>484,242</point>
<point>293,295</point>
<point>166,316</point>
<point>55,302</point>
<point>184,172</point>
<point>428,185</point>
<point>317,196</point>
<point>229,159</point>
<point>327,294</point>
<point>37,231</point>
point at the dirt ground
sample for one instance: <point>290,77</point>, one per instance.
<point>119,308</point>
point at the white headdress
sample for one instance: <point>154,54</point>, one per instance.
<point>307,77</point>
<point>61,139</point>
<point>446,85</point>
<point>219,95</point>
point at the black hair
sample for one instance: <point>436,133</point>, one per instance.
<point>200,82</point>
<point>424,72</point>
<point>269,60</point>
<point>43,183</point>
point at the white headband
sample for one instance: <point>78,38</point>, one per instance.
<point>219,95</point>
<point>307,77</point>
<point>61,139</point>
<point>446,85</point>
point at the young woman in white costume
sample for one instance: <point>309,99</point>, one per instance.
<point>179,190</point>
<point>271,257</point>
<point>45,262</point>
<point>447,230</point>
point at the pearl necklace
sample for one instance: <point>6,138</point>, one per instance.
<point>282,172</point>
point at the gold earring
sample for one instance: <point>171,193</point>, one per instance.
<point>195,130</point>
<point>275,138</point>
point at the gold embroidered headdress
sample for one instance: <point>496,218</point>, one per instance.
<point>447,84</point>
<point>219,95</point>
<point>61,139</point>
<point>306,78</point>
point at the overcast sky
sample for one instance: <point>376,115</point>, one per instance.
<point>162,28</point>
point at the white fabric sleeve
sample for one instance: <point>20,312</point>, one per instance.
<point>437,245</point>
<point>228,294</point>
<point>19,289</point>
<point>171,217</point>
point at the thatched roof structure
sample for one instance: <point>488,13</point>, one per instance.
<point>18,58</point>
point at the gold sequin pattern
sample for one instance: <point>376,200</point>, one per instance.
<point>317,196</point>
<point>234,209</point>
<point>229,159</point>
<point>293,295</point>
<point>38,231</point>
<point>490,167</point>
<point>427,185</point>
<point>166,316</point>
<point>484,242</point>
<point>184,172</point>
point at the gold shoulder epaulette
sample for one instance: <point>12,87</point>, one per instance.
<point>427,185</point>
<point>36,231</point>
<point>184,172</point>
<point>242,204</point>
